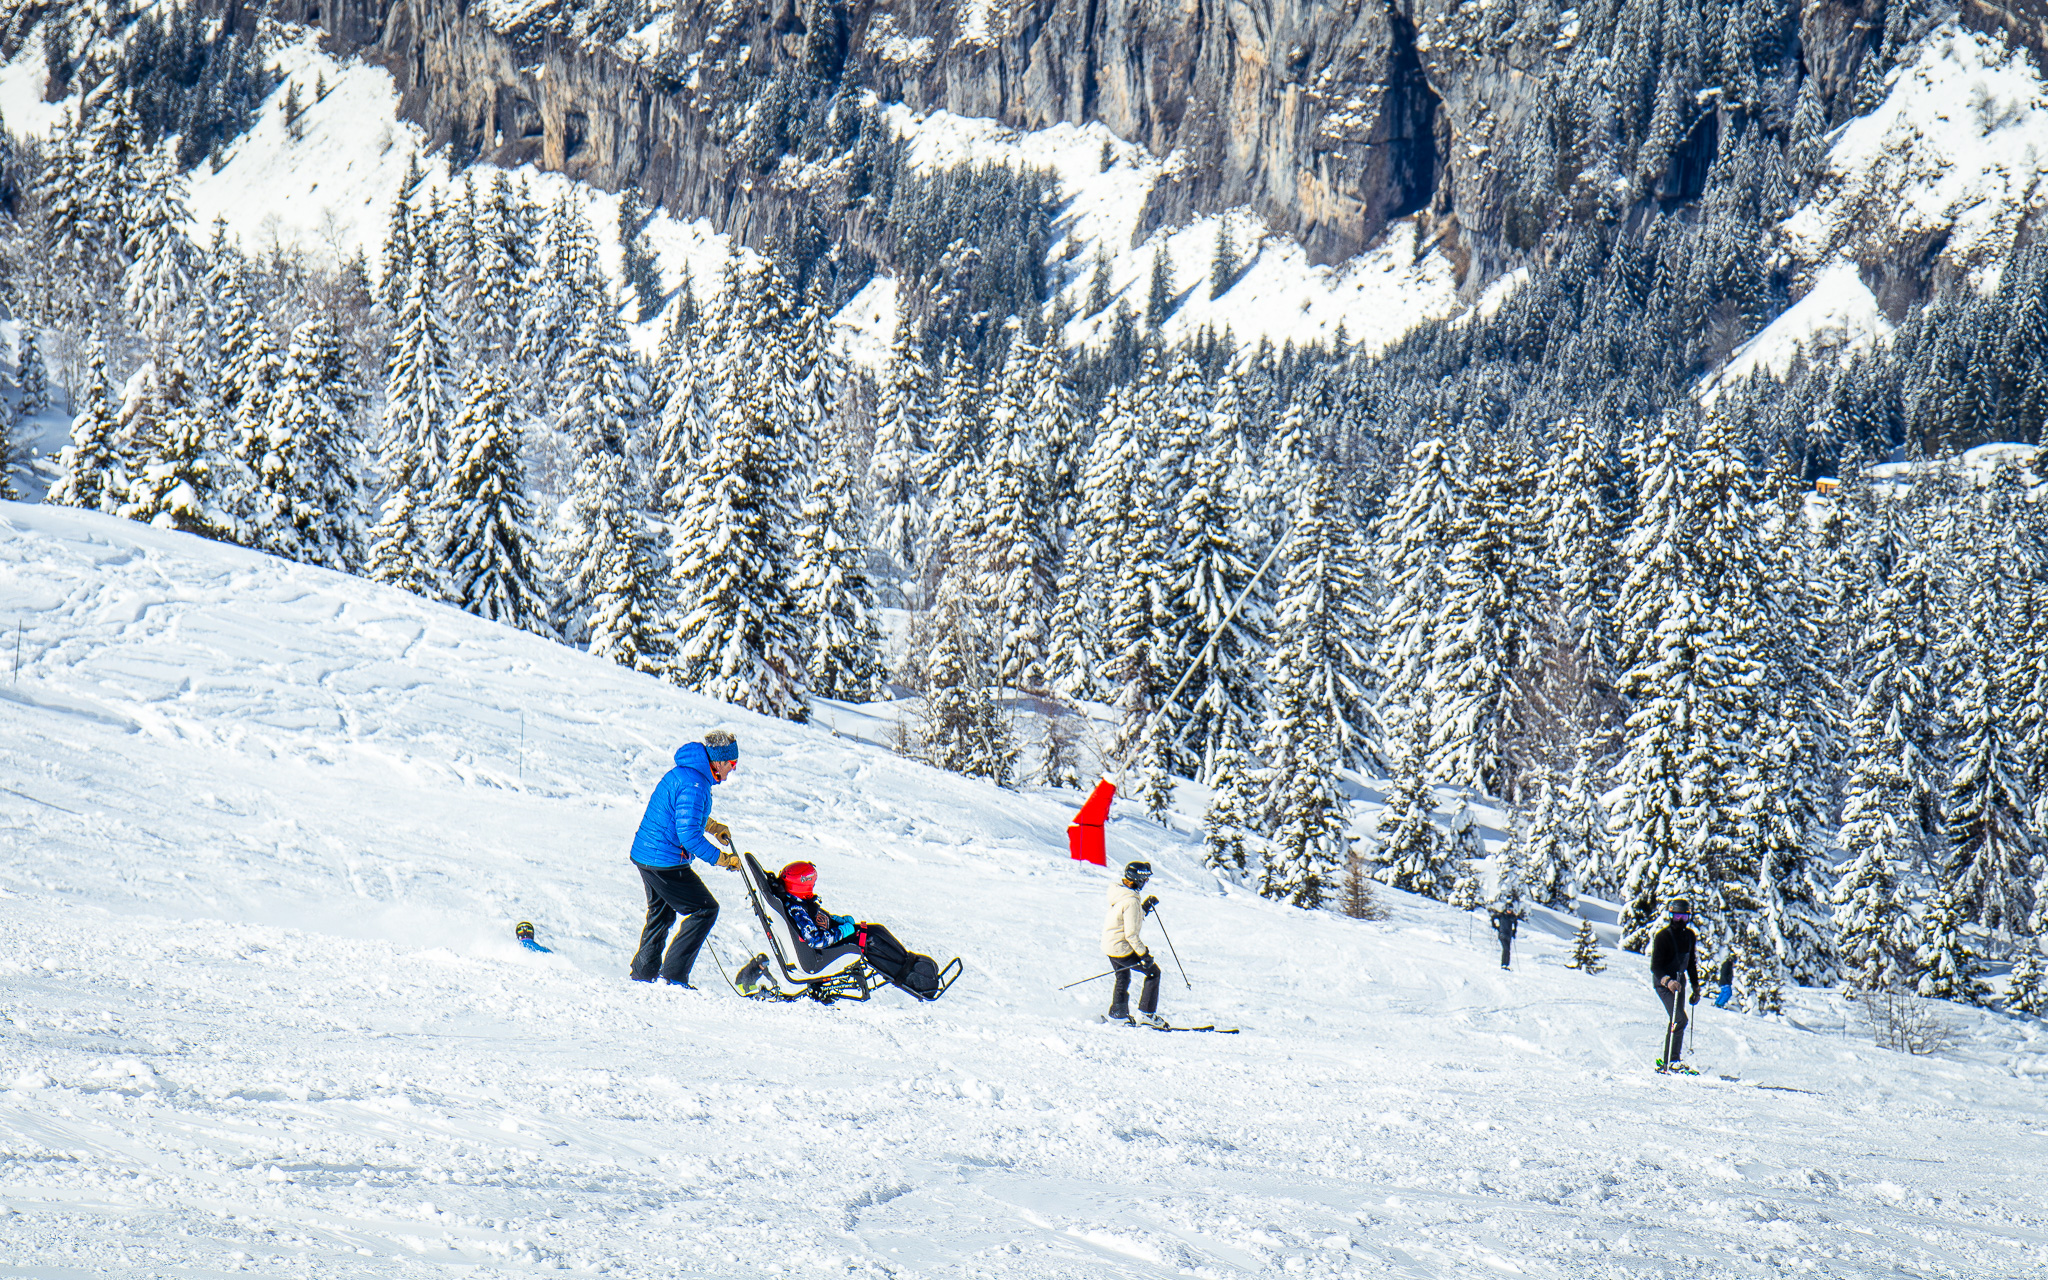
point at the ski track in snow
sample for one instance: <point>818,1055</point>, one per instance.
<point>263,833</point>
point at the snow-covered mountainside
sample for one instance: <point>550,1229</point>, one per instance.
<point>264,830</point>
<point>324,182</point>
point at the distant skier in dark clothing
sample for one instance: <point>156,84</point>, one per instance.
<point>1727,991</point>
<point>1505,921</point>
<point>672,834</point>
<point>1675,969</point>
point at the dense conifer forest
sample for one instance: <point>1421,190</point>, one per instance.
<point>1527,552</point>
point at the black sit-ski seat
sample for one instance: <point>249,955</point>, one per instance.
<point>792,967</point>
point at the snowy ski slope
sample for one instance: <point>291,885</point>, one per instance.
<point>264,831</point>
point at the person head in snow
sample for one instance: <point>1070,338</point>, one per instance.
<point>1123,943</point>
<point>676,830</point>
<point>1674,964</point>
<point>914,973</point>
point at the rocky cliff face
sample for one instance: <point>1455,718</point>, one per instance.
<point>1328,117</point>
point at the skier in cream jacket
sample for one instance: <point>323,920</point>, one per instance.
<point>1122,942</point>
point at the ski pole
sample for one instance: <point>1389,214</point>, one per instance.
<point>1104,974</point>
<point>1170,947</point>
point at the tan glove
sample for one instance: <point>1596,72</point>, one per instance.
<point>718,831</point>
<point>729,860</point>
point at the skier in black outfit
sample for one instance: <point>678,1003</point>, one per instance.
<point>1675,967</point>
<point>1504,923</point>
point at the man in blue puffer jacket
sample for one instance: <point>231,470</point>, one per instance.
<point>672,833</point>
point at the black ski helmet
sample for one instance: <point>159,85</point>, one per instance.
<point>1137,873</point>
<point>1679,907</point>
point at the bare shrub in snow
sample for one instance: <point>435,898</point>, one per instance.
<point>1904,1023</point>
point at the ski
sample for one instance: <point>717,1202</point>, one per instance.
<point>1106,1020</point>
<point>1221,1031</point>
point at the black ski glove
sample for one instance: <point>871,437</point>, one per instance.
<point>1149,904</point>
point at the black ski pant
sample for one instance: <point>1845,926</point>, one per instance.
<point>1120,997</point>
<point>1507,944</point>
<point>672,893</point>
<point>915,973</point>
<point>1675,1010</point>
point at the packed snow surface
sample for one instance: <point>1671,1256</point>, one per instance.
<point>266,830</point>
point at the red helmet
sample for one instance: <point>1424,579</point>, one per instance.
<point>800,879</point>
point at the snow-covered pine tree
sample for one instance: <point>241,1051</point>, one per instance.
<point>950,477</point>
<point>566,285</point>
<point>1655,547</point>
<point>1212,567</point>
<point>1233,820</point>
<point>418,390</point>
<point>402,239</point>
<point>1547,870</point>
<point>1760,973</point>
<point>1662,773</point>
<point>1790,926</point>
<point>1080,618</point>
<point>1016,556</point>
<point>91,472</point>
<point>687,409</point>
<point>1949,966</point>
<point>504,261</point>
<point>1317,672</point>
<point>487,522</point>
<point>1159,295</point>
<point>960,726</point>
<point>1579,539</point>
<point>1409,851</point>
<point>637,263</point>
<point>314,462</point>
<point>897,464</point>
<point>1789,777</point>
<point>184,478</point>
<point>737,628</point>
<point>31,374</point>
<point>1585,953</point>
<point>1412,537</point>
<point>2030,716</point>
<point>113,159</point>
<point>1480,633</point>
<point>1051,410</point>
<point>831,586</point>
<point>413,453</point>
<point>1135,646</point>
<point>2026,990</point>
<point>1510,876</point>
<point>1991,869</point>
<point>157,286</point>
<point>1310,844</point>
<point>615,568</point>
<point>258,369</point>
<point>601,398</point>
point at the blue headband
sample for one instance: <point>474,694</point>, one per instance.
<point>722,751</point>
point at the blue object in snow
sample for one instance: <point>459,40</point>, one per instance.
<point>672,830</point>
